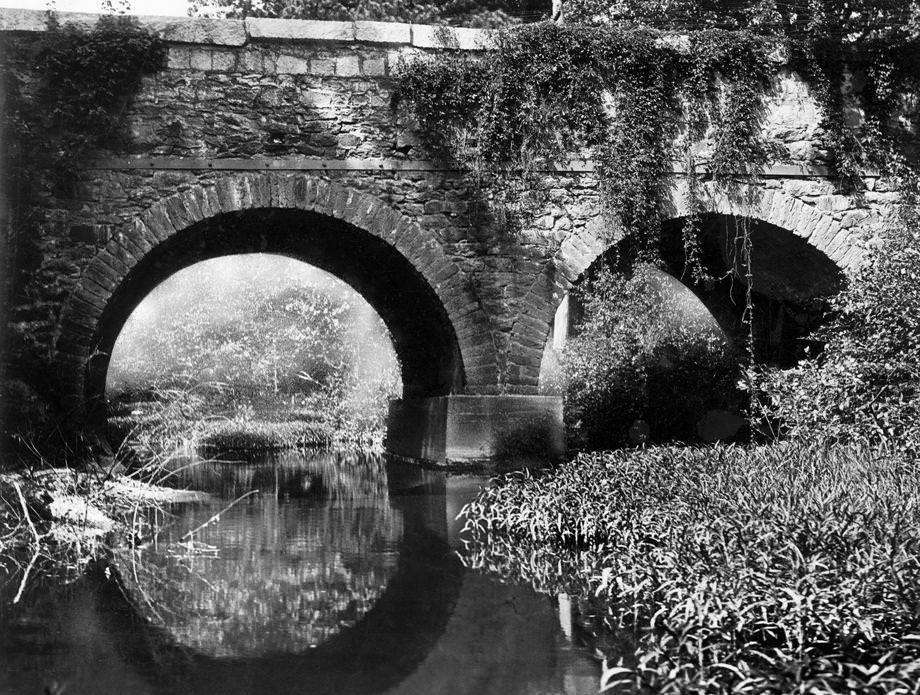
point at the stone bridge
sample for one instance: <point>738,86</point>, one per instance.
<point>282,136</point>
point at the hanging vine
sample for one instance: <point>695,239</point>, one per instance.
<point>635,86</point>
<point>66,95</point>
<point>85,79</point>
<point>618,95</point>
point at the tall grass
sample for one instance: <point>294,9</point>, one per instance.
<point>174,419</point>
<point>782,569</point>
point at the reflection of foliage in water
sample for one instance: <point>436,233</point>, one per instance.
<point>552,571</point>
<point>291,567</point>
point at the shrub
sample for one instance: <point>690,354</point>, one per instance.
<point>630,359</point>
<point>866,384</point>
<point>781,569</point>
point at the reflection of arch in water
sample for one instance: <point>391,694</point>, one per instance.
<point>379,651</point>
<point>303,560</point>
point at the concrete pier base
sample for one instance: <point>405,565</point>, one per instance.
<point>477,429</point>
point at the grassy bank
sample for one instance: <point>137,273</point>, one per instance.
<point>779,569</point>
<point>155,426</point>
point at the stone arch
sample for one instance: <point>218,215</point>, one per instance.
<point>225,209</point>
<point>819,228</point>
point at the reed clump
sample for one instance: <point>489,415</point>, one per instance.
<point>789,568</point>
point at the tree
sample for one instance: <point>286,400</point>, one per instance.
<point>865,386</point>
<point>472,13</point>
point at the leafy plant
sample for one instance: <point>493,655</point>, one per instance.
<point>788,568</point>
<point>86,79</point>
<point>865,386</point>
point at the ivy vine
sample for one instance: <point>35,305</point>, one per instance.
<point>66,95</point>
<point>622,96</point>
<point>85,79</point>
<point>635,86</point>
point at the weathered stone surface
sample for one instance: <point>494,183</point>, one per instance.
<point>322,66</point>
<point>179,58</point>
<point>200,59</point>
<point>299,30</point>
<point>199,30</point>
<point>223,60</point>
<point>292,65</point>
<point>456,38</point>
<point>383,32</point>
<point>301,118</point>
<point>21,20</point>
<point>374,67</point>
<point>348,66</point>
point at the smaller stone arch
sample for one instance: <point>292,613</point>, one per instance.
<point>776,207</point>
<point>819,228</point>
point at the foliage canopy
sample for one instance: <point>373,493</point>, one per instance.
<point>475,13</point>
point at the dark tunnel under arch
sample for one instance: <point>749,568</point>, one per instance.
<point>792,281</point>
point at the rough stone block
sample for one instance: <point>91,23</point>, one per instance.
<point>821,229</point>
<point>198,30</point>
<point>156,220</point>
<point>200,59</point>
<point>807,221</point>
<point>374,67</point>
<point>89,285</point>
<point>324,191</point>
<point>177,212</point>
<point>322,66</point>
<point>348,66</point>
<point>103,276</point>
<point>15,19</point>
<point>223,61</point>
<point>292,65</point>
<point>304,192</point>
<point>179,58</point>
<point>251,61</point>
<point>383,32</point>
<point>429,36</point>
<point>299,30</point>
<point>834,203</point>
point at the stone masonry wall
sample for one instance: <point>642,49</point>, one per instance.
<point>311,102</point>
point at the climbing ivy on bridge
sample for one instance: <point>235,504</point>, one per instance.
<point>637,87</point>
<point>619,95</point>
<point>69,101</point>
<point>85,78</point>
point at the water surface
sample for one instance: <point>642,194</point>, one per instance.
<point>340,575</point>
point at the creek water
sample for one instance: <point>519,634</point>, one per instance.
<point>340,575</point>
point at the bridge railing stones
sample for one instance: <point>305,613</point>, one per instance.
<point>206,31</point>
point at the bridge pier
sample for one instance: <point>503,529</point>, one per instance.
<point>468,429</point>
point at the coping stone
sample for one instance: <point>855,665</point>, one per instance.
<point>383,32</point>
<point>200,30</point>
<point>299,30</point>
<point>458,38</point>
<point>195,30</point>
